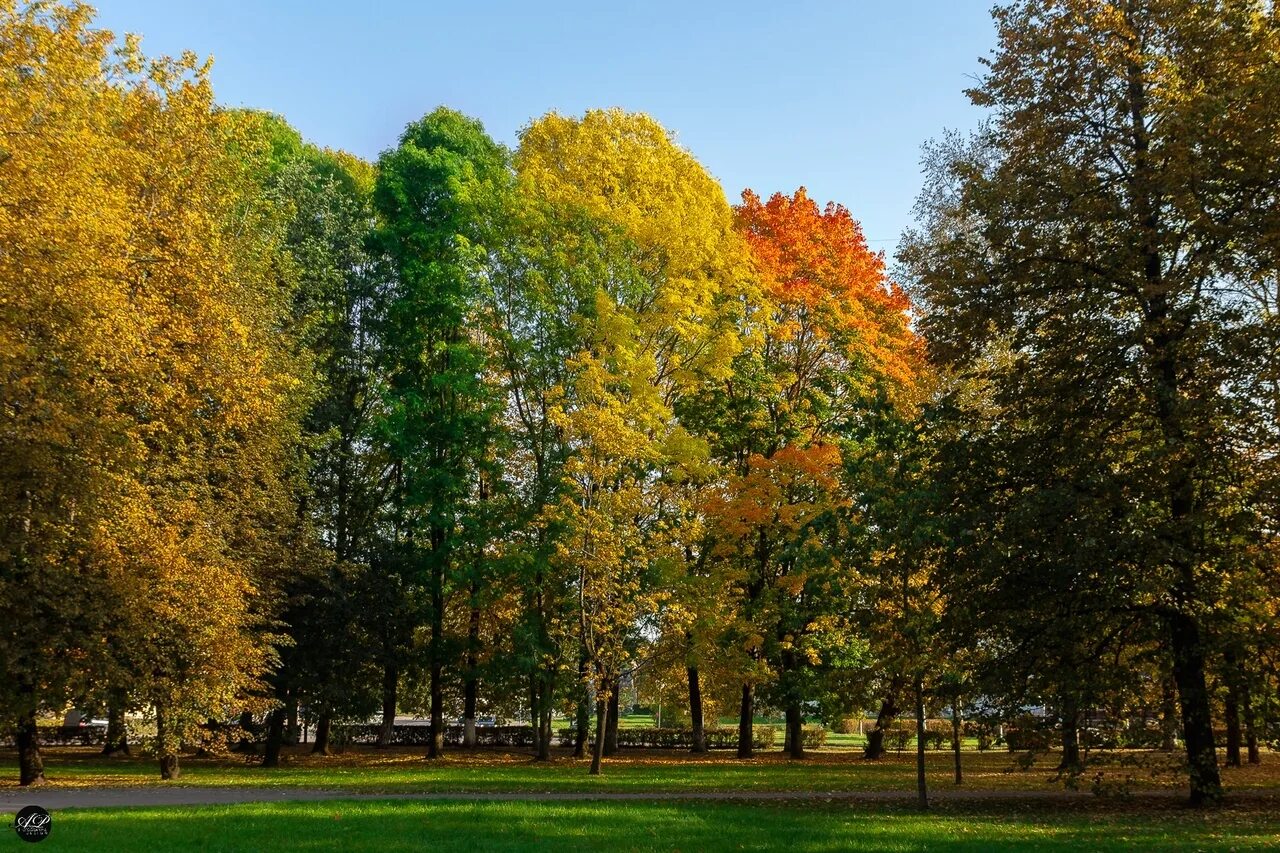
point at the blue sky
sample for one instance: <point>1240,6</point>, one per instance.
<point>835,96</point>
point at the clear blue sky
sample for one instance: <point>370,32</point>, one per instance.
<point>836,96</point>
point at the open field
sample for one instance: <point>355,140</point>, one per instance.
<point>403,770</point>
<point>449,826</point>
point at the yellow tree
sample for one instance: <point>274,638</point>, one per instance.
<point>637,218</point>
<point>148,402</point>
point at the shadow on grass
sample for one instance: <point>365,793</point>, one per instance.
<point>455,826</point>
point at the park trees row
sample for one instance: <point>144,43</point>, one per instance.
<point>481,429</point>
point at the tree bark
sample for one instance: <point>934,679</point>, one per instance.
<point>611,721</point>
<point>1169,721</point>
<point>30,763</point>
<point>795,731</point>
<point>323,726</point>
<point>597,749</point>
<point>275,737</point>
<point>922,788</point>
<point>884,718</point>
<point>746,715</point>
<point>1070,718</point>
<point>292,734</point>
<point>117,740</point>
<point>169,768</point>
<point>1197,722</point>
<point>471,685</point>
<point>956,729</point>
<point>695,711</point>
<point>1231,718</point>
<point>583,718</point>
<point>390,684</point>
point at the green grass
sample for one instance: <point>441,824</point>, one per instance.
<point>456,826</point>
<point>406,771</point>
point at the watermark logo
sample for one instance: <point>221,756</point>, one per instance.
<point>33,824</point>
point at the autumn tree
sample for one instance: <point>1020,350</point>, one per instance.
<point>831,331</point>
<point>1124,186</point>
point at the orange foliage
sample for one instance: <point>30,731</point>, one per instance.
<point>823,280</point>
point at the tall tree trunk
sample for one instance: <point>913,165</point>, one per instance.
<point>695,711</point>
<point>390,684</point>
<point>117,740</point>
<point>545,726</point>
<point>1231,717</point>
<point>323,726</point>
<point>1169,721</point>
<point>169,768</point>
<point>956,730</point>
<point>471,686</point>
<point>597,749</point>
<point>275,737</point>
<point>1162,344</point>
<point>436,645</point>
<point>1197,722</point>
<point>746,715</point>
<point>795,730</point>
<point>583,719</point>
<point>1250,734</point>
<point>30,763</point>
<point>611,720</point>
<point>1070,733</point>
<point>292,734</point>
<point>884,718</point>
<point>922,788</point>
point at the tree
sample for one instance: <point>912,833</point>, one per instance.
<point>438,409</point>
<point>1123,188</point>
<point>830,332</point>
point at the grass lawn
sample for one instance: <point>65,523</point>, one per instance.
<point>404,770</point>
<point>447,826</point>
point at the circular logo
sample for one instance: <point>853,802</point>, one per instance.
<point>33,824</point>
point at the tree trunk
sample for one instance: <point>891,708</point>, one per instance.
<point>1197,721</point>
<point>922,788</point>
<point>436,747</point>
<point>884,718</point>
<point>1250,734</point>
<point>323,726</point>
<point>746,715</point>
<point>30,763</point>
<point>956,729</point>
<point>541,720</point>
<point>292,734</point>
<point>169,768</point>
<point>1169,721</point>
<point>611,721</point>
<point>435,648</point>
<point>695,712</point>
<point>597,749</point>
<point>546,728</point>
<point>795,731</point>
<point>583,718</point>
<point>390,683</point>
<point>1070,733</point>
<point>1231,718</point>
<point>471,685</point>
<point>275,737</point>
<point>117,740</point>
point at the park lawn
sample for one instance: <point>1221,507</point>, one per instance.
<point>637,826</point>
<point>404,770</point>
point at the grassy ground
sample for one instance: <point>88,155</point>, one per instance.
<point>390,826</point>
<point>405,771</point>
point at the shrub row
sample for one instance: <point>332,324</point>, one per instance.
<point>420,735</point>
<point>762,737</point>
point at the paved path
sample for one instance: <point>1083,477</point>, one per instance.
<point>177,795</point>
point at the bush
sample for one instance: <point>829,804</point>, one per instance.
<point>814,737</point>
<point>847,725</point>
<point>420,735</point>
